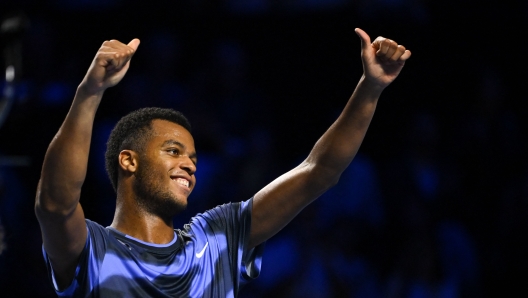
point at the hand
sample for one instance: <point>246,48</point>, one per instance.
<point>109,65</point>
<point>382,60</point>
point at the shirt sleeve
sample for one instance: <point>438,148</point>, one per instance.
<point>234,221</point>
<point>88,266</point>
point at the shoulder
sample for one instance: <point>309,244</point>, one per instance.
<point>98,237</point>
<point>95,228</point>
<point>222,218</point>
<point>226,212</point>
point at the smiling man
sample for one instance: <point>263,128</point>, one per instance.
<point>151,161</point>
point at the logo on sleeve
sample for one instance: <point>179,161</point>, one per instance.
<point>201,253</point>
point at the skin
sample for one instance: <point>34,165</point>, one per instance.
<point>169,155</point>
<point>280,201</point>
<point>148,194</point>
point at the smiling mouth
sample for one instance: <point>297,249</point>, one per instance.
<point>182,182</point>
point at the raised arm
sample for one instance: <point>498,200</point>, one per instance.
<point>57,205</point>
<point>277,203</point>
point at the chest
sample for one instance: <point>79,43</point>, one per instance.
<point>195,268</point>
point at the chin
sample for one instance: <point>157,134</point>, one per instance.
<point>161,203</point>
<point>171,207</point>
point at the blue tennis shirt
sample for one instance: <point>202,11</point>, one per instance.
<point>207,258</point>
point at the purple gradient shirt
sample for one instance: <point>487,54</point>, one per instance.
<point>208,258</point>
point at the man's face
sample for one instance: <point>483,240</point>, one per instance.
<point>165,173</point>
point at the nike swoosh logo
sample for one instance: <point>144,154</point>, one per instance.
<point>200,254</point>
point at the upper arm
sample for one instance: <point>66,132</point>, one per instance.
<point>63,234</point>
<point>279,202</point>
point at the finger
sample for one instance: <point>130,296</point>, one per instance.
<point>377,43</point>
<point>393,46</point>
<point>406,55</point>
<point>118,47</point>
<point>364,37</point>
<point>382,45</point>
<point>112,60</point>
<point>106,60</point>
<point>121,58</point>
<point>114,44</point>
<point>125,52</point>
<point>134,44</point>
<point>400,50</point>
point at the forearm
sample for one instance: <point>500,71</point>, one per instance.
<point>66,160</point>
<point>277,203</point>
<point>336,148</point>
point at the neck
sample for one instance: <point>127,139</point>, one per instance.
<point>130,219</point>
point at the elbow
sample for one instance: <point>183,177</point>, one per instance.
<point>46,208</point>
<point>325,177</point>
<point>331,181</point>
<point>56,205</point>
<point>334,180</point>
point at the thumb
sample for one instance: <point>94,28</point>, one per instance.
<point>365,39</point>
<point>134,44</point>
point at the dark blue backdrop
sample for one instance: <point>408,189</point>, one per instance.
<point>434,205</point>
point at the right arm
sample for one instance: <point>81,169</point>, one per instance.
<point>57,207</point>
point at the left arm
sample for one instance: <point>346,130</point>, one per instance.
<point>280,201</point>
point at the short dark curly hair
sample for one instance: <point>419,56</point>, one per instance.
<point>133,131</point>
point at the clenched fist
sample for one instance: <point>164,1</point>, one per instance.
<point>382,59</point>
<point>109,66</point>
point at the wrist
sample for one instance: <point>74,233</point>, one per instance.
<point>371,85</point>
<point>85,91</point>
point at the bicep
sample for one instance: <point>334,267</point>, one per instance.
<point>280,201</point>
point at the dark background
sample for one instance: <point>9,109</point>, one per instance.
<point>434,205</point>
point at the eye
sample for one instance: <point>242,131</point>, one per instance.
<point>174,151</point>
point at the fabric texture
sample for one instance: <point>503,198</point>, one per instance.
<point>207,258</point>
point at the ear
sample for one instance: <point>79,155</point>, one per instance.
<point>128,161</point>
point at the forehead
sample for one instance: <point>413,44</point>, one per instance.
<point>163,130</point>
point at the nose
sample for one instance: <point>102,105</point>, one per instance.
<point>188,165</point>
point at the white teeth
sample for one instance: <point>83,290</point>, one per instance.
<point>183,182</point>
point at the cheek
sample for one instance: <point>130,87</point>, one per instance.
<point>162,167</point>
<point>156,172</point>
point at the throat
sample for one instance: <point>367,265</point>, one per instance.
<point>143,225</point>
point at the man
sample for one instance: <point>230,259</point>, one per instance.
<point>151,160</point>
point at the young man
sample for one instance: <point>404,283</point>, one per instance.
<point>151,161</point>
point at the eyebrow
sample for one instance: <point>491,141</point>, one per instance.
<point>179,144</point>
